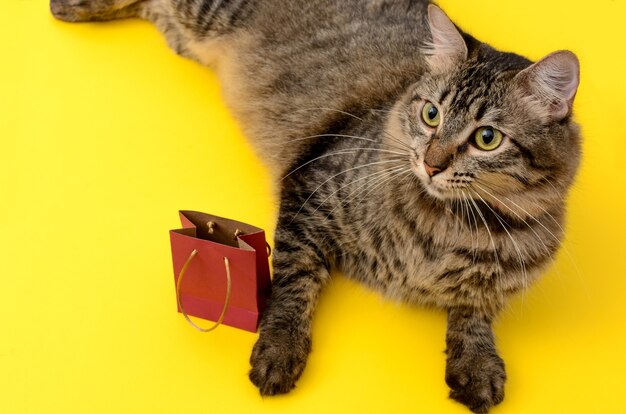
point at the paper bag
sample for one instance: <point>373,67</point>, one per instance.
<point>221,270</point>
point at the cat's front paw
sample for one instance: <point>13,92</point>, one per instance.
<point>476,380</point>
<point>277,363</point>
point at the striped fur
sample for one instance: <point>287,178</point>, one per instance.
<point>330,93</point>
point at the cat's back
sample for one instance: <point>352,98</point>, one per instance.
<point>297,66</point>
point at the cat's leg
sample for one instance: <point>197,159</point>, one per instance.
<point>186,24</point>
<point>155,11</point>
<point>96,10</point>
<point>474,371</point>
<point>281,352</point>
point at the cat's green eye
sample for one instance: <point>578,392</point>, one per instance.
<point>431,115</point>
<point>488,138</point>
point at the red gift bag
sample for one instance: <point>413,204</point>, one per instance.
<point>221,270</point>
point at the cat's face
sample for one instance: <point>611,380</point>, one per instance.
<point>491,127</point>
<point>473,135</point>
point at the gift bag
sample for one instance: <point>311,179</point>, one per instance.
<point>221,270</point>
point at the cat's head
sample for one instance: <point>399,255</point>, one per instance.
<point>491,125</point>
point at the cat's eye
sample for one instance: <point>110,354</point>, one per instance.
<point>431,115</point>
<point>488,138</point>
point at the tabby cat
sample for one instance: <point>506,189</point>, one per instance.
<point>408,154</point>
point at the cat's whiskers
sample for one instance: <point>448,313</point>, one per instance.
<point>358,193</point>
<point>394,147</point>
<point>468,209</point>
<point>411,178</point>
<point>556,191</point>
<point>321,108</point>
<point>493,243</point>
<point>335,176</point>
<point>358,190</point>
<point>389,111</point>
<point>396,112</point>
<point>515,245</point>
<point>547,213</point>
<point>378,173</point>
<point>457,196</point>
<point>457,220</point>
<point>552,259</point>
<point>386,176</point>
<point>498,272</point>
<point>398,141</point>
<point>562,245</point>
<point>395,139</point>
<point>387,133</point>
<point>452,213</point>
<point>496,187</point>
<point>464,221</point>
<point>342,152</point>
<point>384,181</point>
<point>519,217</point>
<point>540,223</point>
<point>548,252</point>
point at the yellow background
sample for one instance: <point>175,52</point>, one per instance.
<point>105,134</point>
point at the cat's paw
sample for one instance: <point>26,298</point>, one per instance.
<point>276,364</point>
<point>73,10</point>
<point>476,380</point>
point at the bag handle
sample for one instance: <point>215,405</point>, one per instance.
<point>180,304</point>
<point>211,229</point>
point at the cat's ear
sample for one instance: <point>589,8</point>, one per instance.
<point>550,85</point>
<point>447,46</point>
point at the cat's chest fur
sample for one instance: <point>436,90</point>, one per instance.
<point>433,256</point>
<point>412,269</point>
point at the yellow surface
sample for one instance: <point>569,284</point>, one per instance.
<point>105,134</point>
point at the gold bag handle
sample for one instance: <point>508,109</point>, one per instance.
<point>180,304</point>
<point>238,233</point>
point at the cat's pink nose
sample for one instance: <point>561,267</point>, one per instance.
<point>431,171</point>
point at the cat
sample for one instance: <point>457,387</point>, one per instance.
<point>409,155</point>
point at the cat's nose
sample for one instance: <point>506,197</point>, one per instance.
<point>437,158</point>
<point>431,171</point>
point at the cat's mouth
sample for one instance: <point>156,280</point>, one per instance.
<point>437,186</point>
<point>431,185</point>
<point>419,170</point>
